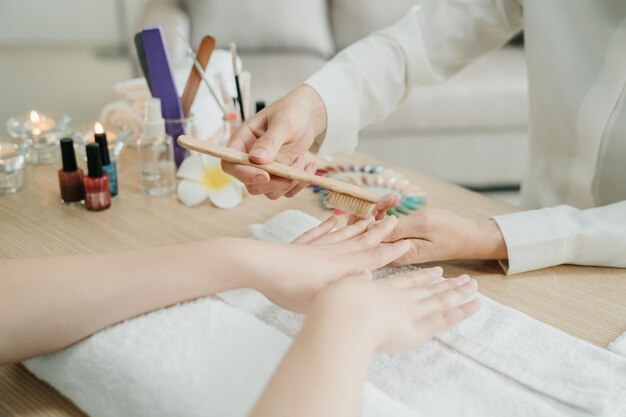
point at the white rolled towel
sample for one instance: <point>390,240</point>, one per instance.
<point>121,114</point>
<point>135,89</point>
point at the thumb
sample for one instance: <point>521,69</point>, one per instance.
<point>406,228</point>
<point>265,148</point>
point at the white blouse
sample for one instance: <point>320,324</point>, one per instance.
<point>576,57</point>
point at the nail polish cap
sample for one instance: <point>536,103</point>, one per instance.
<point>94,161</point>
<point>260,105</point>
<point>67,155</point>
<point>101,139</point>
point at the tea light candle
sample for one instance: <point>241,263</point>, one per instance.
<point>39,123</point>
<point>98,131</point>
<point>116,138</point>
<point>40,133</point>
<point>11,164</point>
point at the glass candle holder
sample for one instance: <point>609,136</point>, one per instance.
<point>12,161</point>
<point>175,128</point>
<point>117,139</point>
<point>40,134</point>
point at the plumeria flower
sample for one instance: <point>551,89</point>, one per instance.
<point>202,177</point>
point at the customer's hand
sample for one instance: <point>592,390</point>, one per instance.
<point>437,235</point>
<point>292,275</point>
<point>398,313</point>
<point>281,132</point>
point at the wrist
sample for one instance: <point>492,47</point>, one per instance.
<point>492,244</point>
<point>346,316</point>
<point>231,261</point>
<point>316,106</point>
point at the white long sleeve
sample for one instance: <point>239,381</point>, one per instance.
<point>564,235</point>
<point>366,81</point>
<point>577,93</point>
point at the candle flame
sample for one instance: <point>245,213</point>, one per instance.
<point>98,128</point>
<point>34,116</point>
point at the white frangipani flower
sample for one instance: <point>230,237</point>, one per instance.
<point>201,177</point>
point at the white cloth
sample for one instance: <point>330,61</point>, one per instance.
<point>577,82</point>
<point>202,358</point>
<point>534,369</point>
<point>122,115</point>
<point>206,358</point>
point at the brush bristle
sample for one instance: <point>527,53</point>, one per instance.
<point>352,205</point>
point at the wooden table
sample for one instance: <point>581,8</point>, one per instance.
<point>585,302</point>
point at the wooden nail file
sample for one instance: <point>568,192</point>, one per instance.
<point>347,197</point>
<point>207,45</point>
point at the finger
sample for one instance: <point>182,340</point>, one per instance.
<point>365,274</point>
<point>385,203</point>
<point>379,256</point>
<point>300,164</point>
<point>414,255</point>
<point>375,234</point>
<point>265,148</point>
<point>242,140</point>
<point>346,233</point>
<point>247,174</point>
<point>408,227</point>
<point>438,322</point>
<point>438,287</point>
<point>445,300</point>
<point>320,230</point>
<point>276,193</point>
<point>418,278</point>
<point>275,185</point>
<point>311,167</point>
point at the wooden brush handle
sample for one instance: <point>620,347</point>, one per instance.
<point>275,168</point>
<point>207,45</point>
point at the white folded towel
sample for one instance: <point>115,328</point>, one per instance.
<point>498,362</point>
<point>122,114</point>
<point>208,358</point>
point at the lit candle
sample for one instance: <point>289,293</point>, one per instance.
<point>99,132</point>
<point>39,123</point>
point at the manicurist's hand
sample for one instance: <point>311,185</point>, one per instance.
<point>292,275</point>
<point>281,132</point>
<point>437,235</point>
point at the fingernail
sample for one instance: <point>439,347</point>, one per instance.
<point>463,279</point>
<point>258,152</point>
<point>436,270</point>
<point>260,178</point>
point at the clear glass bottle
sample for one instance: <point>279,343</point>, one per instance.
<point>156,154</point>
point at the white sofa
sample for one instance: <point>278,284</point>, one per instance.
<point>471,130</point>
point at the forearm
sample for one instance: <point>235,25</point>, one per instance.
<point>365,82</point>
<point>49,303</point>
<point>322,374</point>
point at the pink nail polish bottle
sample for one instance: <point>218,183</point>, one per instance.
<point>97,192</point>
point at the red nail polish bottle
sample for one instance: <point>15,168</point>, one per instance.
<point>97,192</point>
<point>70,176</point>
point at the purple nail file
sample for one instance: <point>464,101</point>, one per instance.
<point>163,86</point>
